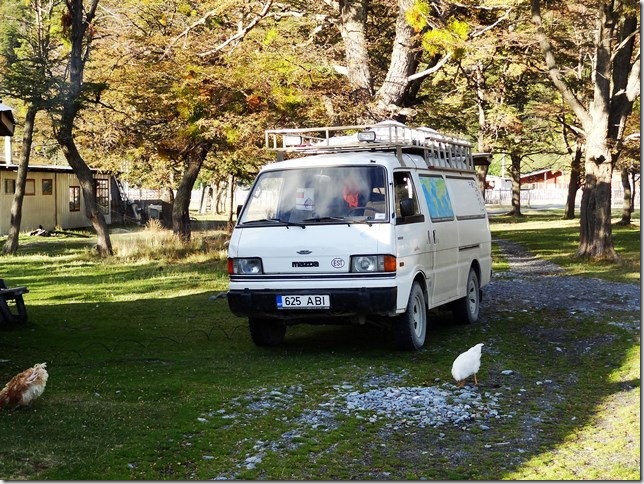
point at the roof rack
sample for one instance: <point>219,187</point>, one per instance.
<point>438,150</point>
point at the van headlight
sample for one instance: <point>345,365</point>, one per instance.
<point>373,263</point>
<point>245,266</point>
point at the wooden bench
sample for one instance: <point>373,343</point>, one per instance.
<point>12,294</point>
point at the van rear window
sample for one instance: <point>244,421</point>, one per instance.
<point>470,203</point>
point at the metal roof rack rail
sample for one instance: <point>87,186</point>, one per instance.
<point>438,150</point>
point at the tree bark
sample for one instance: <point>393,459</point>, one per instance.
<point>11,244</point>
<point>397,89</point>
<point>181,208</point>
<point>353,17</point>
<point>393,94</point>
<point>574,184</point>
<point>627,208</point>
<point>595,236</point>
<point>167,202</point>
<point>86,181</point>
<point>231,202</point>
<point>515,175</point>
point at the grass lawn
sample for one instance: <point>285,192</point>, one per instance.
<point>151,379</point>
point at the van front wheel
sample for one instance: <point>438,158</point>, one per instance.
<point>410,328</point>
<point>466,310</point>
<point>266,332</point>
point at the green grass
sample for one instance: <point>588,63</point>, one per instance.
<point>138,354</point>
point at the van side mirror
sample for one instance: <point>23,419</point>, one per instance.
<point>239,207</point>
<point>406,207</point>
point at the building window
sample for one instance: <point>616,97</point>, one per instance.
<point>30,187</point>
<point>47,186</point>
<point>74,199</point>
<point>10,186</point>
<point>102,191</point>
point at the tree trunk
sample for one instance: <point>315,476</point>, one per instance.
<point>353,18</point>
<point>231,203</point>
<point>574,184</point>
<point>86,180</point>
<point>221,189</point>
<point>595,235</point>
<point>167,202</point>
<point>393,94</point>
<point>81,17</point>
<point>627,208</point>
<point>203,204</point>
<point>11,244</point>
<point>515,175</point>
<point>181,208</point>
<point>634,189</point>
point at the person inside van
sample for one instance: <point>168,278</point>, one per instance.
<point>351,195</point>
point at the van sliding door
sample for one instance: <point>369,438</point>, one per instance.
<point>443,236</point>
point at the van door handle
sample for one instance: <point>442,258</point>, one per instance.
<point>430,236</point>
<point>435,241</point>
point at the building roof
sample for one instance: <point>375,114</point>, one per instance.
<point>540,175</point>
<point>44,168</point>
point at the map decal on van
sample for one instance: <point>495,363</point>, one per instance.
<point>435,190</point>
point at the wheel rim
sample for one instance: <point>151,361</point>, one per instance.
<point>472,297</point>
<point>419,317</point>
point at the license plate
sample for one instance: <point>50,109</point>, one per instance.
<point>312,301</point>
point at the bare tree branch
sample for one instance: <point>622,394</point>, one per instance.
<point>492,25</point>
<point>442,61</point>
<point>202,21</point>
<point>186,31</point>
<point>553,69</point>
<point>242,32</point>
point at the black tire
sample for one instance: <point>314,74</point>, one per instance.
<point>466,310</point>
<point>410,328</point>
<point>266,332</point>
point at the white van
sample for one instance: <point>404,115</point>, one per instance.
<point>361,224</point>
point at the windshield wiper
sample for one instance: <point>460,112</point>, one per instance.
<point>325,219</point>
<point>277,220</point>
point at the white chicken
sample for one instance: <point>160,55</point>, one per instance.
<point>25,387</point>
<point>467,364</point>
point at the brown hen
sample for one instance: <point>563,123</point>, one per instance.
<point>25,387</point>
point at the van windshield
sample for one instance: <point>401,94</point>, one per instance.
<point>322,195</point>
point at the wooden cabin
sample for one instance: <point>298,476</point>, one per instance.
<point>53,198</point>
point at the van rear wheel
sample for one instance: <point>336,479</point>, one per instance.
<point>410,328</point>
<point>466,310</point>
<point>266,332</point>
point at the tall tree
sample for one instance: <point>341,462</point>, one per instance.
<point>614,86</point>
<point>75,91</point>
<point>27,48</point>
<point>197,88</point>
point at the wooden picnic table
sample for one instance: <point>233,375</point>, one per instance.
<point>7,315</point>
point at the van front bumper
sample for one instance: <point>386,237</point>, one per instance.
<point>343,302</point>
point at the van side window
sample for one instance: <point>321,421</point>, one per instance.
<point>407,207</point>
<point>437,196</point>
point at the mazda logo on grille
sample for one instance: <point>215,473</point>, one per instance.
<point>304,252</point>
<point>313,263</point>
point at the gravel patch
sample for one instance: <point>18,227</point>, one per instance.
<point>532,283</point>
<point>374,401</point>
